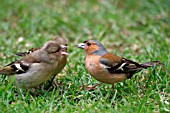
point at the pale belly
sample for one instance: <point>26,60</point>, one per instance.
<point>33,78</point>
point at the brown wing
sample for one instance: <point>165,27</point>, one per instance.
<point>19,66</point>
<point>110,60</point>
<point>116,64</point>
<point>27,52</point>
<point>16,67</point>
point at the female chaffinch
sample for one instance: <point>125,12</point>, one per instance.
<point>107,67</point>
<point>61,41</point>
<point>62,61</point>
<point>35,68</point>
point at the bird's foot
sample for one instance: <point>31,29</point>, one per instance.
<point>90,88</point>
<point>55,84</point>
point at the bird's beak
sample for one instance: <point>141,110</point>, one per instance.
<point>81,45</point>
<point>64,53</point>
<point>63,47</point>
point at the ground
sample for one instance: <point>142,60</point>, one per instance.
<point>137,30</point>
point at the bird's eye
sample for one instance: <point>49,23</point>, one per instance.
<point>88,44</point>
<point>58,50</point>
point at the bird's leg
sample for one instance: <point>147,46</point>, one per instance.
<point>112,87</point>
<point>50,83</point>
<point>111,93</point>
<point>52,80</point>
<point>89,88</point>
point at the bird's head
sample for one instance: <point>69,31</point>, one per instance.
<point>92,47</point>
<point>53,48</point>
<point>62,42</point>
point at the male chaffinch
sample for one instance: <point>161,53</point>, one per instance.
<point>36,67</point>
<point>63,60</point>
<point>107,67</point>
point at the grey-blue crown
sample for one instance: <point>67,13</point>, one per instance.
<point>102,50</point>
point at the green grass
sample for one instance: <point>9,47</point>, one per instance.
<point>138,30</point>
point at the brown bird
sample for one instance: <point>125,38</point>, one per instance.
<point>35,68</point>
<point>107,67</point>
<point>63,59</point>
<point>62,62</point>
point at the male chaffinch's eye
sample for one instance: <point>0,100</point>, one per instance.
<point>88,44</point>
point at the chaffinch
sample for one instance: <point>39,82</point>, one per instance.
<point>107,67</point>
<point>63,60</point>
<point>36,67</point>
<point>61,41</point>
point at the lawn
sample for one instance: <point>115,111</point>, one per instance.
<point>137,30</point>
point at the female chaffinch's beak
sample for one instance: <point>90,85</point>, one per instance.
<point>64,53</point>
<point>81,45</point>
<point>63,46</point>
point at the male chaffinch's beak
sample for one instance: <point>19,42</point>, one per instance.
<point>81,45</point>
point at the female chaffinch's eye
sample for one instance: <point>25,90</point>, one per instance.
<point>88,44</point>
<point>58,50</point>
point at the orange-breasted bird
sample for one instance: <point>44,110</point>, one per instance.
<point>107,67</point>
<point>36,67</point>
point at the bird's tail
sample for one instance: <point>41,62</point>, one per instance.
<point>1,71</point>
<point>151,64</point>
<point>6,71</point>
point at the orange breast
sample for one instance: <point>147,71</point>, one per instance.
<point>99,71</point>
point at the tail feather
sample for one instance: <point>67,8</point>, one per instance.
<point>7,71</point>
<point>151,64</point>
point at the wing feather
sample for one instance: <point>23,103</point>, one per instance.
<point>115,64</point>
